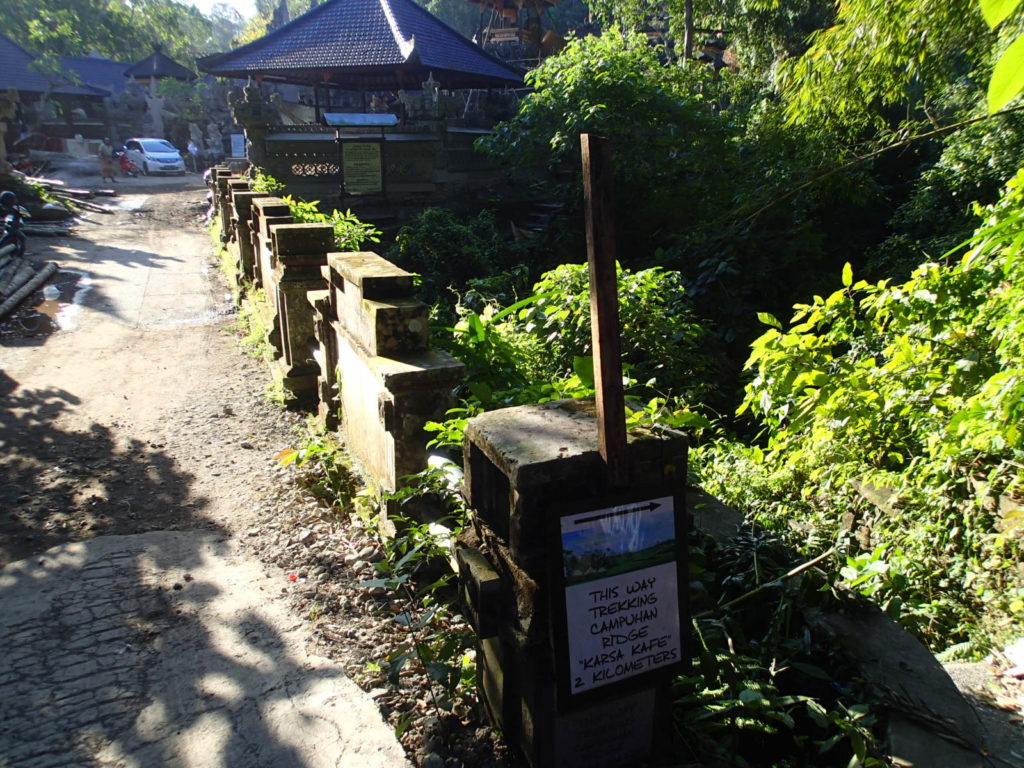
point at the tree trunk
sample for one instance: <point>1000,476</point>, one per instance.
<point>687,30</point>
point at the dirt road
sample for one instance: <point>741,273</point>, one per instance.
<point>135,451</point>
<point>139,414</point>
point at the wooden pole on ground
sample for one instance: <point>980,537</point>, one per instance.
<point>604,306</point>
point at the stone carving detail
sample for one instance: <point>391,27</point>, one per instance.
<point>316,169</point>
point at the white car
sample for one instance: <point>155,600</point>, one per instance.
<point>153,155</point>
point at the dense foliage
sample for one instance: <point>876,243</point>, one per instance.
<point>538,349</point>
<point>449,251</point>
<point>863,145</point>
<point>894,415</point>
<point>117,29</point>
<point>667,139</point>
<point>885,64</point>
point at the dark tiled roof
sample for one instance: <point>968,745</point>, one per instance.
<point>159,65</point>
<point>99,73</point>
<point>366,44</point>
<point>16,73</point>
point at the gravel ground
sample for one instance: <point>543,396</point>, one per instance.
<point>325,556</point>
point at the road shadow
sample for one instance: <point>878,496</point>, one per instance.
<point>83,250</point>
<point>153,650</point>
<point>144,648</point>
<point>111,280</point>
<point>58,486</point>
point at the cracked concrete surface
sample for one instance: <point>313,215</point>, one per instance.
<point>168,649</point>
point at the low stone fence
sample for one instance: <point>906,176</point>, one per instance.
<point>350,339</point>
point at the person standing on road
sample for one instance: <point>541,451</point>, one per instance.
<point>193,152</point>
<point>106,156</point>
<point>11,218</point>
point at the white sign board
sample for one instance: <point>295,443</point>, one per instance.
<point>621,592</point>
<point>238,145</point>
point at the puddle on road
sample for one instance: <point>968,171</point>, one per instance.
<point>52,308</point>
<point>129,202</point>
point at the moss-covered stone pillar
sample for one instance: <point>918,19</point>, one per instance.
<point>222,195</point>
<point>242,247</point>
<point>299,252</point>
<point>265,212</point>
<point>577,590</point>
<point>390,382</point>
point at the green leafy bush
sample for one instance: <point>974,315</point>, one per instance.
<point>448,251</point>
<point>264,182</point>
<point>349,232</point>
<point>660,334</point>
<point>893,417</point>
<point>539,349</point>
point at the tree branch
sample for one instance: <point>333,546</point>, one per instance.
<point>769,585</point>
<point>871,155</point>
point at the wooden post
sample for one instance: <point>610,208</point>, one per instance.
<point>604,306</point>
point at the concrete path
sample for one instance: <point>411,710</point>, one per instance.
<point>142,279</point>
<point>168,649</point>
<point>160,648</point>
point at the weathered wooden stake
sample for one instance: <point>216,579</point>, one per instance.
<point>604,306</point>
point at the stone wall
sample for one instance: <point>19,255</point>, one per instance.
<point>389,381</point>
<point>350,339</point>
<point>419,166</point>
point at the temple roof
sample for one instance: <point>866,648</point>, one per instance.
<point>366,45</point>
<point>98,72</point>
<point>159,64</point>
<point>16,73</point>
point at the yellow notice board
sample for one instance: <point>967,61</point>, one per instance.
<point>361,167</point>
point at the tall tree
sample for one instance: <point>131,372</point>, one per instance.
<point>763,31</point>
<point>886,63</point>
<point>113,28</point>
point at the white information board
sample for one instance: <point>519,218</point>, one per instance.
<point>238,148</point>
<point>621,592</point>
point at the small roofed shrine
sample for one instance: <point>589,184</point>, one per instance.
<point>158,66</point>
<point>398,99</point>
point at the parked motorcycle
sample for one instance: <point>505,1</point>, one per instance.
<point>127,165</point>
<point>13,215</point>
<point>21,163</point>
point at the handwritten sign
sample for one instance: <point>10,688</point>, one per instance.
<point>361,167</point>
<point>621,592</point>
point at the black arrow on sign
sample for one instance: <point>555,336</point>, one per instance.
<point>648,507</point>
